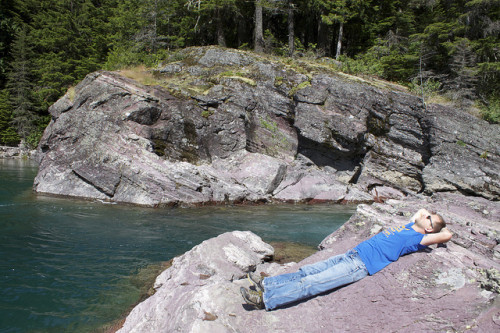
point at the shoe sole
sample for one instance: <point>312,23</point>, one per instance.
<point>257,284</point>
<point>249,302</point>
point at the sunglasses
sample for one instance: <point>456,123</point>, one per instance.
<point>430,219</point>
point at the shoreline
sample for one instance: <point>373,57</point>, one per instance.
<point>284,253</point>
<point>439,277</point>
<point>8,152</point>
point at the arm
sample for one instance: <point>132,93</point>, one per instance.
<point>439,237</point>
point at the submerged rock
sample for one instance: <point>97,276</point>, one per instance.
<point>451,288</point>
<point>231,126</point>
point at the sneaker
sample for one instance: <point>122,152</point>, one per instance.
<point>256,281</point>
<point>253,298</point>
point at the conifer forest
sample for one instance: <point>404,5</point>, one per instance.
<point>447,48</point>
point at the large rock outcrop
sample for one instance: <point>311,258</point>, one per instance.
<point>452,288</point>
<point>228,126</point>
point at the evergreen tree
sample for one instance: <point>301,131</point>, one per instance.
<point>215,16</point>
<point>152,14</point>
<point>339,12</point>
<point>463,77</point>
<point>20,86</point>
<point>397,40</point>
<point>10,21</point>
<point>8,134</point>
<point>482,22</point>
<point>66,39</point>
<point>141,28</point>
<point>125,24</point>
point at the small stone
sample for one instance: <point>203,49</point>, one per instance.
<point>210,316</point>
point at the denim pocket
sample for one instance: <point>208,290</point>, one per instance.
<point>356,259</point>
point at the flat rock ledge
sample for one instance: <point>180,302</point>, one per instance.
<point>451,288</point>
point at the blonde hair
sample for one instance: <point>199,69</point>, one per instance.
<point>422,214</point>
<point>439,224</point>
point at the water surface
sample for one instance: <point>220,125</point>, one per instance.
<point>71,265</point>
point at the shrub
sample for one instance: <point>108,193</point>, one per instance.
<point>364,64</point>
<point>491,111</point>
<point>429,87</point>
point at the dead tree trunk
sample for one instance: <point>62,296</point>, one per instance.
<point>339,41</point>
<point>259,34</point>
<point>291,30</point>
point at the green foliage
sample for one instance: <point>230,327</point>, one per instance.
<point>142,30</point>
<point>207,113</point>
<point>491,111</point>
<point>273,45</point>
<point>428,45</point>
<point>390,58</point>
<point>428,87</point>
<point>298,87</point>
<point>33,139</point>
<point>69,39</point>
<point>9,137</point>
<point>123,57</point>
<point>36,134</point>
<point>337,11</point>
<point>8,134</point>
<point>399,67</point>
<point>8,24</point>
<point>488,79</point>
<point>363,64</point>
<point>20,85</point>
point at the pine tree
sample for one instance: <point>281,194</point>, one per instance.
<point>151,14</point>
<point>138,29</point>
<point>68,44</point>
<point>215,16</point>
<point>20,86</point>
<point>340,12</point>
<point>482,19</point>
<point>9,23</point>
<point>462,80</point>
<point>8,134</point>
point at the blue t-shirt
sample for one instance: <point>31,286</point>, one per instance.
<point>388,245</point>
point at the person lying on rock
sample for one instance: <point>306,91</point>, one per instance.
<point>369,257</point>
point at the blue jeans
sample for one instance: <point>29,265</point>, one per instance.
<point>314,279</point>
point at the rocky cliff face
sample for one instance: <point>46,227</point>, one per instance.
<point>452,288</point>
<point>229,126</point>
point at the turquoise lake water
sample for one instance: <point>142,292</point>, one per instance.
<point>72,265</point>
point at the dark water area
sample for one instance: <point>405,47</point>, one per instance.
<point>72,265</point>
